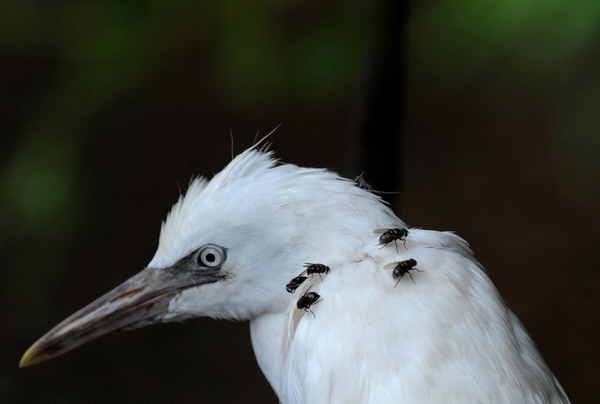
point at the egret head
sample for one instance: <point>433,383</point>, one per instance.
<point>229,247</point>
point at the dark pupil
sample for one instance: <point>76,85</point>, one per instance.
<point>210,258</point>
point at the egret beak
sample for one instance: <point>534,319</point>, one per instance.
<point>142,298</point>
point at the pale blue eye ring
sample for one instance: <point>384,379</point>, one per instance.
<point>210,256</point>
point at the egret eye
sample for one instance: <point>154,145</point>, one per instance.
<point>210,256</point>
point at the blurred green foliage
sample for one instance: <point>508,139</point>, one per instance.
<point>266,50</point>
<point>547,50</point>
<point>462,37</point>
<point>260,50</point>
<point>104,49</point>
<point>254,52</point>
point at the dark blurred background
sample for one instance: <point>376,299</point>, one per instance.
<point>485,115</point>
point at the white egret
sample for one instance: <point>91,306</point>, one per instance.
<point>355,329</point>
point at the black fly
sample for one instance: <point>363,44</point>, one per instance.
<point>404,267</point>
<point>308,300</point>
<point>389,235</point>
<point>294,283</point>
<point>312,269</point>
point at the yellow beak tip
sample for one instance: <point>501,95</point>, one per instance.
<point>29,358</point>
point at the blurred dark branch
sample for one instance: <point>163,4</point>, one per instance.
<point>378,144</point>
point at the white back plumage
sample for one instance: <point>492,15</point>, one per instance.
<point>446,338</point>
